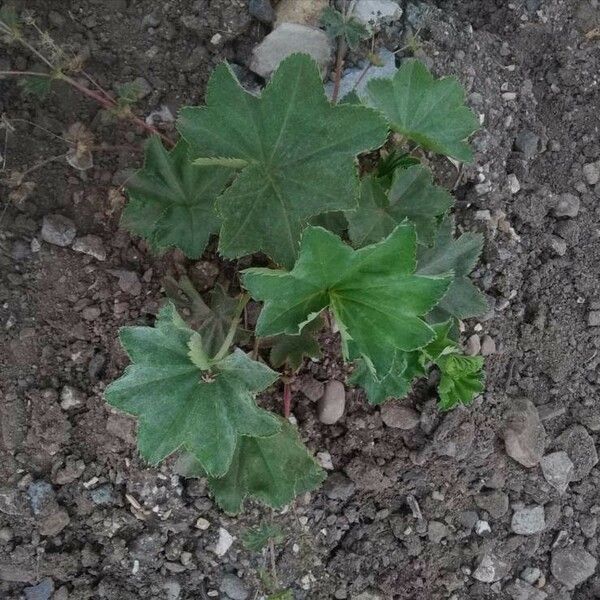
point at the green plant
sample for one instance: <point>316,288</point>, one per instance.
<point>272,173</point>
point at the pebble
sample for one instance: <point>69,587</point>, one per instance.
<point>524,434</point>
<point>520,590</point>
<point>530,574</point>
<point>567,205</point>
<point>338,487</point>
<point>513,184</point>
<point>103,495</point>
<point>527,142</point>
<point>572,566</point>
<point>488,346</point>
<point>594,318</point>
<point>290,38</point>
<point>482,528</point>
<point>6,534</point>
<point>490,569</point>
<point>437,531</point>
<point>172,590</point>
<point>375,13</point>
<point>41,494</point>
<point>91,245</point>
<point>129,282</point>
<point>473,345</point>
<point>580,447</point>
<point>495,503</point>
<point>202,524</point>
<point>557,245</point>
<point>303,12</point>
<point>223,543</point>
<point>312,388</point>
<point>591,172</point>
<point>396,415</point>
<point>91,313</point>
<point>528,521</point>
<point>454,437</point>
<point>331,406</point>
<point>234,587</point>
<point>557,469</point>
<point>71,397</point>
<point>58,230</point>
<point>53,523</point>
<point>262,10</point>
<point>42,591</point>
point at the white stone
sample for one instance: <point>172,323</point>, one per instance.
<point>557,469</point>
<point>528,520</point>
<point>375,13</point>
<point>224,542</point>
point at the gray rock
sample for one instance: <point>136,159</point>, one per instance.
<point>129,281</point>
<point>594,318</point>
<point>261,10</point>
<point>527,142</point>
<point>524,435</point>
<point>399,416</point>
<point>58,230</point>
<point>304,12</point>
<point>473,345</point>
<point>454,437</point>
<point>572,566</point>
<point>312,388</point>
<point>91,245</point>
<point>491,568</point>
<point>530,574</point>
<point>588,525</point>
<point>520,590</point>
<point>437,531</point>
<point>172,590</point>
<point>488,346</point>
<point>580,447</point>
<point>468,519</point>
<point>71,397</point>
<point>529,520</point>
<point>41,494</point>
<point>567,205</point>
<point>375,13</point>
<point>234,587</point>
<point>290,38</point>
<point>557,245</point>
<point>103,495</point>
<point>338,487</point>
<point>331,406</point>
<point>495,503</point>
<point>591,172</point>
<point>557,469</point>
<point>53,523</point>
<point>42,591</point>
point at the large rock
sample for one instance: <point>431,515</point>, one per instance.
<point>524,434</point>
<point>580,447</point>
<point>572,566</point>
<point>290,38</point>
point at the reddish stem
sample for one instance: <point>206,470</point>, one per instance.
<point>339,63</point>
<point>287,399</point>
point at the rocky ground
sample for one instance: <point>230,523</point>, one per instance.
<point>500,501</point>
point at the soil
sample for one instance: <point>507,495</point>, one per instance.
<point>402,511</point>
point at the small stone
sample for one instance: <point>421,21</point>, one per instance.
<point>312,388</point>
<point>594,318</point>
<point>454,437</point>
<point>591,172</point>
<point>91,245</point>
<point>580,447</point>
<point>261,10</point>
<point>567,205</point>
<point>572,566</point>
<point>42,591</point>
<point>103,495</point>
<point>72,470</point>
<point>331,406</point>
<point>482,528</point>
<point>588,525</point>
<point>490,569</point>
<point>172,590</point>
<point>338,487</point>
<point>468,519</point>
<point>520,590</point>
<point>488,346</point>
<point>202,524</point>
<point>53,523</point>
<point>303,12</point>
<point>71,398</point>
<point>437,531</point>
<point>325,460</point>
<point>394,414</point>
<point>557,469</point>
<point>91,313</point>
<point>495,503</point>
<point>529,520</point>
<point>41,494</point>
<point>58,230</point>
<point>290,38</point>
<point>129,282</point>
<point>223,543</point>
<point>375,13</point>
<point>234,587</point>
<point>6,535</point>
<point>530,574</point>
<point>473,345</point>
<point>513,184</point>
<point>524,435</point>
<point>527,142</point>
<point>557,245</point>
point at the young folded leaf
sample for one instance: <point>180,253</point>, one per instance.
<point>374,294</point>
<point>171,201</point>
<point>300,152</point>
<point>180,404</point>
<point>462,379</point>
<point>412,196</point>
<point>428,111</point>
<point>460,256</point>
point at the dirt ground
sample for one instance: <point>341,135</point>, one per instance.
<point>426,513</point>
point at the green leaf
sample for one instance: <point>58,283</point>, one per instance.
<point>459,255</point>
<point>428,111</point>
<point>290,350</point>
<point>395,384</point>
<point>171,202</point>
<point>259,537</point>
<point>333,221</point>
<point>348,27</point>
<point>284,595</point>
<point>36,86</point>
<point>462,379</point>
<point>387,165</point>
<point>374,294</point>
<point>299,148</point>
<point>197,352</point>
<point>273,470</point>
<point>182,407</point>
<point>413,196</point>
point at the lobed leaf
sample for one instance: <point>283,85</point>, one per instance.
<point>171,201</point>
<point>290,350</point>
<point>337,25</point>
<point>180,404</point>
<point>299,149</point>
<point>462,379</point>
<point>426,110</point>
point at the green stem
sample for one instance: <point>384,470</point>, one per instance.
<point>232,328</point>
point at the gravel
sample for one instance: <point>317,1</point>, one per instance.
<point>572,566</point>
<point>529,520</point>
<point>524,435</point>
<point>58,230</point>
